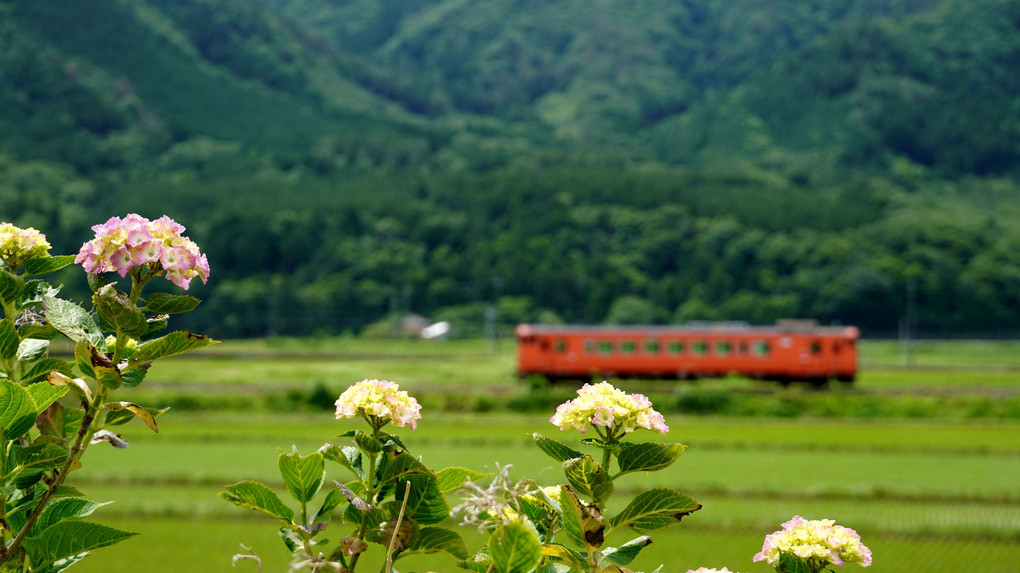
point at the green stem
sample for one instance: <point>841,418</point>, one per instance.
<point>82,438</point>
<point>371,488</point>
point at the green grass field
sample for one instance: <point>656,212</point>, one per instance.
<point>935,491</point>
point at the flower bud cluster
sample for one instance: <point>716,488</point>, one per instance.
<point>123,244</point>
<point>604,405</point>
<point>381,400</point>
<point>18,245</point>
<point>819,541</point>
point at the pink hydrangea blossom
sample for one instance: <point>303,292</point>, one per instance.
<point>817,542</point>
<point>381,400</point>
<point>604,405</point>
<point>123,244</point>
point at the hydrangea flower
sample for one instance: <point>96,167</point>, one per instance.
<point>818,542</point>
<point>17,245</point>
<point>604,405</point>
<point>124,244</point>
<point>381,401</point>
<point>707,570</point>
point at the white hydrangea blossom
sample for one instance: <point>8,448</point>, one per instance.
<point>379,399</point>
<point>604,405</point>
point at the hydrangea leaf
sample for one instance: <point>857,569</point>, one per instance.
<point>73,322</point>
<point>514,548</point>
<point>303,475</point>
<point>453,478</point>
<point>68,538</point>
<point>9,341</point>
<point>43,265</point>
<point>433,539</point>
<point>556,450</point>
<point>576,560</point>
<point>647,457</point>
<point>44,368</point>
<point>32,349</point>
<point>258,496</point>
<point>116,309</point>
<point>65,508</point>
<point>35,292</point>
<point>347,456</point>
<point>626,553</point>
<point>334,499</point>
<point>17,409</point>
<point>588,478</point>
<point>177,342</point>
<point>166,303</point>
<point>581,521</point>
<point>655,509</point>
<point>790,563</point>
<point>142,413</point>
<point>11,286</point>
<point>425,503</point>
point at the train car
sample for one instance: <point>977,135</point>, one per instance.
<point>789,351</point>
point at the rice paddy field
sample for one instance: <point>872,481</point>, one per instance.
<point>921,455</point>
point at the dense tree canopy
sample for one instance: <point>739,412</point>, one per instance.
<point>492,162</point>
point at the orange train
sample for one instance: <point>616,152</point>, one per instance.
<point>787,352</point>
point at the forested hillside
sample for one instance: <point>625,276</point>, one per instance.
<point>580,160</point>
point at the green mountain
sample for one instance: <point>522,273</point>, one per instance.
<point>579,160</point>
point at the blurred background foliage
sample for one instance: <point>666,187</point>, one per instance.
<point>346,162</point>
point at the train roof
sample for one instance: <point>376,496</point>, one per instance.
<point>705,327</point>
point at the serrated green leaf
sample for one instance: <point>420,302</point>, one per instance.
<point>83,353</point>
<point>73,322</point>
<point>115,308</point>
<point>41,370</point>
<point>347,456</point>
<point>433,539</point>
<point>34,293</point>
<point>44,394</point>
<point>303,475</point>
<point>402,465</point>
<point>177,342</point>
<point>17,410</point>
<point>582,522</point>
<point>514,548</point>
<point>626,553</point>
<point>11,286</point>
<point>38,331</point>
<point>39,457</point>
<point>65,508</point>
<point>9,341</point>
<point>453,478</point>
<point>425,503</point>
<point>68,538</point>
<point>655,509</point>
<point>43,265</point>
<point>166,303</point>
<point>647,457</point>
<point>556,450</point>
<point>334,499</point>
<point>588,478</point>
<point>32,349</point>
<point>258,496</point>
<point>135,375</point>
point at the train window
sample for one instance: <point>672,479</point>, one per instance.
<point>605,346</point>
<point>652,346</point>
<point>561,345</point>
<point>676,347</point>
<point>699,347</point>
<point>589,346</point>
<point>742,348</point>
<point>816,347</point>
<point>627,347</point>
<point>761,348</point>
<point>723,347</point>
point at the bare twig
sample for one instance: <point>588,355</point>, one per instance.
<point>396,528</point>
